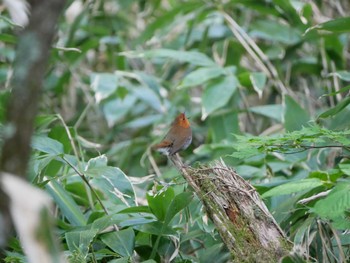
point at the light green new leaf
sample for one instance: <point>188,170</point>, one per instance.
<point>121,242</point>
<point>201,76</point>
<point>293,187</point>
<point>217,94</point>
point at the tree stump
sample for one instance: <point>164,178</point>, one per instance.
<point>245,225</point>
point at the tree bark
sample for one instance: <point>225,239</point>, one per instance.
<point>245,225</point>
<point>32,54</point>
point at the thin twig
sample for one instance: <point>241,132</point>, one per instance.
<point>83,177</point>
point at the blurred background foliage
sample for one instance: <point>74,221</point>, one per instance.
<point>266,87</point>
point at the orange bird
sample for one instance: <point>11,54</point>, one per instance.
<point>178,138</point>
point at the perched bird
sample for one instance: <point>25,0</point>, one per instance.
<point>178,138</point>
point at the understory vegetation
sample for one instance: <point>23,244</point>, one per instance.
<point>265,85</point>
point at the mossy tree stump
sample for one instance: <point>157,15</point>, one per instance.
<point>246,226</point>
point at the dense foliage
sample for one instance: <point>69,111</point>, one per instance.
<point>266,86</point>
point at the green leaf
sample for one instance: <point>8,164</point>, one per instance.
<point>258,80</point>
<point>47,145</point>
<point>103,84</point>
<point>222,125</point>
<point>192,57</point>
<point>66,203</point>
<point>342,74</point>
<point>80,240</point>
<point>201,76</point>
<point>116,109</point>
<point>293,187</point>
<point>336,109</point>
<point>295,116</point>
<point>121,242</point>
<point>339,25</point>
<point>335,204</point>
<point>217,94</point>
<point>160,202</point>
<point>345,168</point>
<point>177,204</point>
<point>112,182</point>
<point>274,31</point>
<point>271,111</point>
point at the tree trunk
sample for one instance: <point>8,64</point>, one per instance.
<point>246,226</point>
<point>32,54</point>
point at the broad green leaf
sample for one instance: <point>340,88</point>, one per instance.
<point>339,25</point>
<point>336,109</point>
<point>274,31</point>
<point>80,240</point>
<point>121,242</point>
<point>335,204</point>
<point>160,202</point>
<point>201,75</point>
<point>271,111</point>
<point>345,168</point>
<point>103,84</point>
<point>147,95</point>
<point>294,187</point>
<point>47,145</point>
<point>116,109</point>
<point>222,125</point>
<point>112,182</point>
<point>217,94</point>
<point>66,203</point>
<point>192,57</point>
<point>156,228</point>
<point>177,204</point>
<point>295,117</point>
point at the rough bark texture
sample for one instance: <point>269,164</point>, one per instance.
<point>246,226</point>
<point>32,54</point>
